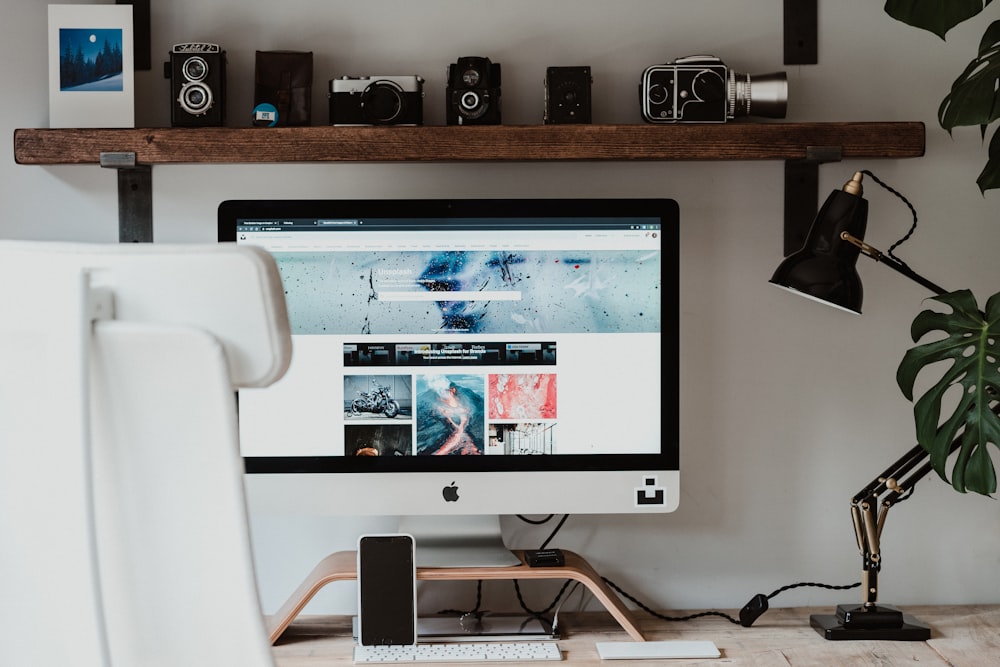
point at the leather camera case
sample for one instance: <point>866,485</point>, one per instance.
<point>284,79</point>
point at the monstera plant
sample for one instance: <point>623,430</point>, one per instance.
<point>975,95</point>
<point>967,349</point>
<point>966,345</point>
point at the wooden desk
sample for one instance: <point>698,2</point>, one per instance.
<point>966,636</point>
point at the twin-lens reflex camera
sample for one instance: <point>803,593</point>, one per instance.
<point>197,73</point>
<point>472,96</point>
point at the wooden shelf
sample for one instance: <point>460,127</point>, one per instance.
<point>803,146</point>
<point>483,143</point>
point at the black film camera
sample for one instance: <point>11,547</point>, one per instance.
<point>701,89</point>
<point>567,95</point>
<point>377,100</point>
<point>197,73</point>
<point>472,96</point>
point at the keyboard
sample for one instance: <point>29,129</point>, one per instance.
<point>459,652</point>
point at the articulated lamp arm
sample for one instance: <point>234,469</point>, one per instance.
<point>870,507</point>
<point>891,262</point>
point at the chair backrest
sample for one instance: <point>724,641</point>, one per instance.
<point>122,512</point>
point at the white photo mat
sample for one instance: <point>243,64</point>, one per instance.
<point>91,73</point>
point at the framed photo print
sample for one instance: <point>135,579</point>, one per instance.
<point>91,72</point>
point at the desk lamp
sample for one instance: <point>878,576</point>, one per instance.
<point>825,270</point>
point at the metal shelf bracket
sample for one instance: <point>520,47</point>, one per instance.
<point>135,197</point>
<point>800,23</point>
<point>802,193</point>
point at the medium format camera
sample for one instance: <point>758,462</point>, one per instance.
<point>701,89</point>
<point>567,95</point>
<point>472,96</point>
<point>197,73</point>
<point>377,100</point>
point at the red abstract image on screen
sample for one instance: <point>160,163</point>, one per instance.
<point>522,396</point>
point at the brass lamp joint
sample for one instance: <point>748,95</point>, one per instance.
<point>872,252</point>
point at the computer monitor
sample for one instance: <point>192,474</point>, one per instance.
<point>458,360</point>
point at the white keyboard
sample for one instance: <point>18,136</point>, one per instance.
<point>459,652</point>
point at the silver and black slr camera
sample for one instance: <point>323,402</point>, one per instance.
<point>197,73</point>
<point>377,100</point>
<point>567,95</point>
<point>701,89</point>
<point>472,96</point>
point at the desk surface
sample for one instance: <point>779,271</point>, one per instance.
<point>965,636</point>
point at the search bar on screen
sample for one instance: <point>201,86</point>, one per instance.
<point>450,296</point>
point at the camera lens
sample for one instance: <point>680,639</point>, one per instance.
<point>469,101</point>
<point>195,98</point>
<point>382,102</point>
<point>766,95</point>
<point>194,69</point>
<point>471,77</point>
<point>472,105</point>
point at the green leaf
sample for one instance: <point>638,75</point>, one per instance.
<point>974,98</point>
<point>937,17</point>
<point>968,359</point>
<point>989,178</point>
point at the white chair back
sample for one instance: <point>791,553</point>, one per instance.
<point>122,508</point>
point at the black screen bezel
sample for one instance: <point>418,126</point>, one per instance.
<point>230,212</point>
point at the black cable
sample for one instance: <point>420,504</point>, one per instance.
<point>913,226</point>
<point>750,612</point>
<point>475,609</point>
<point>554,531</point>
<point>541,613</point>
<point>517,588</point>
<point>661,616</point>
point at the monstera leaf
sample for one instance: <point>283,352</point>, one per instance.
<point>973,99</point>
<point>970,351</point>
<point>938,17</point>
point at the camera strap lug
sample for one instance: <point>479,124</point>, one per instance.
<point>135,196</point>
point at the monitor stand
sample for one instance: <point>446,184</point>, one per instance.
<point>458,541</point>
<point>467,541</point>
<point>342,566</point>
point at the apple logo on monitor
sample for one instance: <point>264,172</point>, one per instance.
<point>450,493</point>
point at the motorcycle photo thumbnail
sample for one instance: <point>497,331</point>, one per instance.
<point>378,396</point>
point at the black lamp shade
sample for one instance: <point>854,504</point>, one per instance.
<point>825,268</point>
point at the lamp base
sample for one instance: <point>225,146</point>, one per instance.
<point>879,622</point>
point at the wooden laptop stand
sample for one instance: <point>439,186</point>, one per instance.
<point>342,565</point>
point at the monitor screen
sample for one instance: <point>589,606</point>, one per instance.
<point>472,357</point>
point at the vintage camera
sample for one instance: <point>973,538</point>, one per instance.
<point>472,96</point>
<point>377,100</point>
<point>567,95</point>
<point>197,73</point>
<point>701,89</point>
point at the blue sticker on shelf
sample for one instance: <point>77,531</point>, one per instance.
<point>265,115</point>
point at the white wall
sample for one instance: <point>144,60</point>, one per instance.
<point>788,408</point>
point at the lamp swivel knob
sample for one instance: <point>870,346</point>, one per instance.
<point>854,186</point>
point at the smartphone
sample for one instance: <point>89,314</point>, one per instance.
<point>387,590</point>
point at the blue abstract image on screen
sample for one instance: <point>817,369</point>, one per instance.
<point>459,271</point>
<point>538,291</point>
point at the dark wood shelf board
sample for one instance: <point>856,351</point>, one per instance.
<point>485,143</point>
